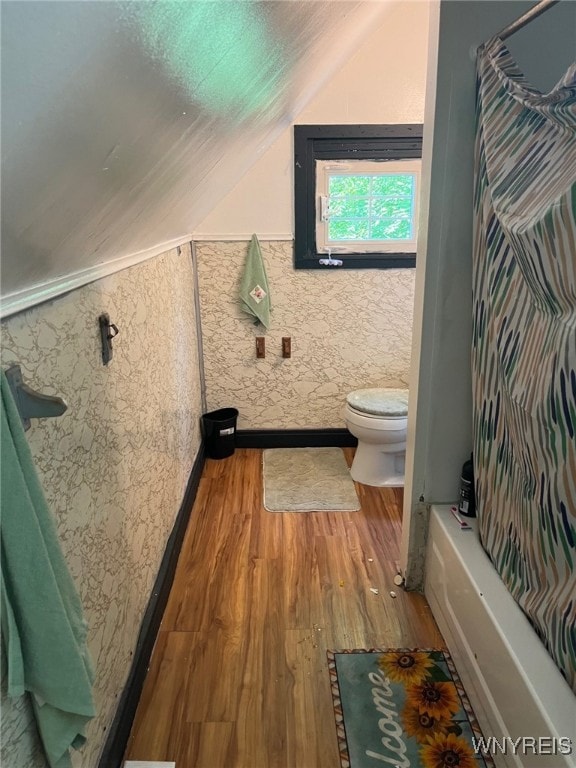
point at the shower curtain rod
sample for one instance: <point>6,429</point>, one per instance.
<point>526,18</point>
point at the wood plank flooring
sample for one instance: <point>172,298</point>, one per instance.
<point>238,677</point>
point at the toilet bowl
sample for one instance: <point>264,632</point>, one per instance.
<point>378,418</point>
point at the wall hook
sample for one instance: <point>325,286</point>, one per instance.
<point>31,404</point>
<point>108,331</point>
<point>330,262</point>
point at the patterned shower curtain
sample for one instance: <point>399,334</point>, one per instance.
<point>524,343</point>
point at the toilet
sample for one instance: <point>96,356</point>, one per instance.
<point>378,417</point>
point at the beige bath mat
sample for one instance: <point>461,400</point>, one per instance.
<point>308,480</point>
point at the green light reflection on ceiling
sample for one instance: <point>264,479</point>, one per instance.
<point>219,51</point>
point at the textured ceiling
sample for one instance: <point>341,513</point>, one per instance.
<point>123,123</point>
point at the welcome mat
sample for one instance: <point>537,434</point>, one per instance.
<point>308,480</point>
<point>403,708</point>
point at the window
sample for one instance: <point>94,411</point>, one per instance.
<point>356,195</point>
<point>367,207</point>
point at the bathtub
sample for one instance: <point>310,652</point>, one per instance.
<point>514,687</point>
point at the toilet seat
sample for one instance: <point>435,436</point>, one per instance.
<point>379,402</point>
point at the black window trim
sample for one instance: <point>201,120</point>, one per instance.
<point>343,142</point>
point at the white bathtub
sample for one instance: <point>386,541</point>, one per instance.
<point>514,686</point>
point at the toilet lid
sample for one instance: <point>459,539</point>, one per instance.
<point>380,401</point>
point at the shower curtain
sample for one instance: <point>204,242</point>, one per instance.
<point>524,343</point>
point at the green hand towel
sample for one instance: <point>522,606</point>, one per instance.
<point>42,623</point>
<point>254,290</point>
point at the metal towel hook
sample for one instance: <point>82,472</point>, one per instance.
<point>108,331</point>
<point>31,404</point>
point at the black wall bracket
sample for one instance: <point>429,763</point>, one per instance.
<point>107,332</point>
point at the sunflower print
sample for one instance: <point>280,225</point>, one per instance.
<point>436,699</point>
<point>447,751</point>
<point>405,667</point>
<point>420,726</point>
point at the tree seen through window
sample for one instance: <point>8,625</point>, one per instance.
<point>370,207</point>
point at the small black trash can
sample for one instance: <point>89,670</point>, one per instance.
<point>219,431</point>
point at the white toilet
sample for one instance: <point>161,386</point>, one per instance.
<point>378,417</point>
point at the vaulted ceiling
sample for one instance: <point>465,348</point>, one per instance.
<point>124,122</point>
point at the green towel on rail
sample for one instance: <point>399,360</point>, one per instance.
<point>43,628</point>
<point>254,290</point>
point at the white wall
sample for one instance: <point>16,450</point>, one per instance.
<point>349,328</point>
<point>382,83</point>
<point>440,414</point>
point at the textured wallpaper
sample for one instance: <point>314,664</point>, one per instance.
<point>115,466</point>
<point>349,329</point>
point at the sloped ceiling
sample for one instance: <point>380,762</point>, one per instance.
<point>123,123</point>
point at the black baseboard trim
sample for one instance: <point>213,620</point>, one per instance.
<point>119,732</point>
<point>295,438</point>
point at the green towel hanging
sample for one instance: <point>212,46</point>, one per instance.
<point>43,627</point>
<point>254,289</point>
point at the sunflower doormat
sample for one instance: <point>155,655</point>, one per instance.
<point>402,708</point>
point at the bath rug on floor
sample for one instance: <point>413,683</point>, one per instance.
<point>308,480</point>
<point>403,707</point>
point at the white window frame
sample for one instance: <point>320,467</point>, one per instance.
<point>324,168</point>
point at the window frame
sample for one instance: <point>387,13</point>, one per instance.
<point>344,142</point>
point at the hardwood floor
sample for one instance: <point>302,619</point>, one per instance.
<point>238,677</point>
